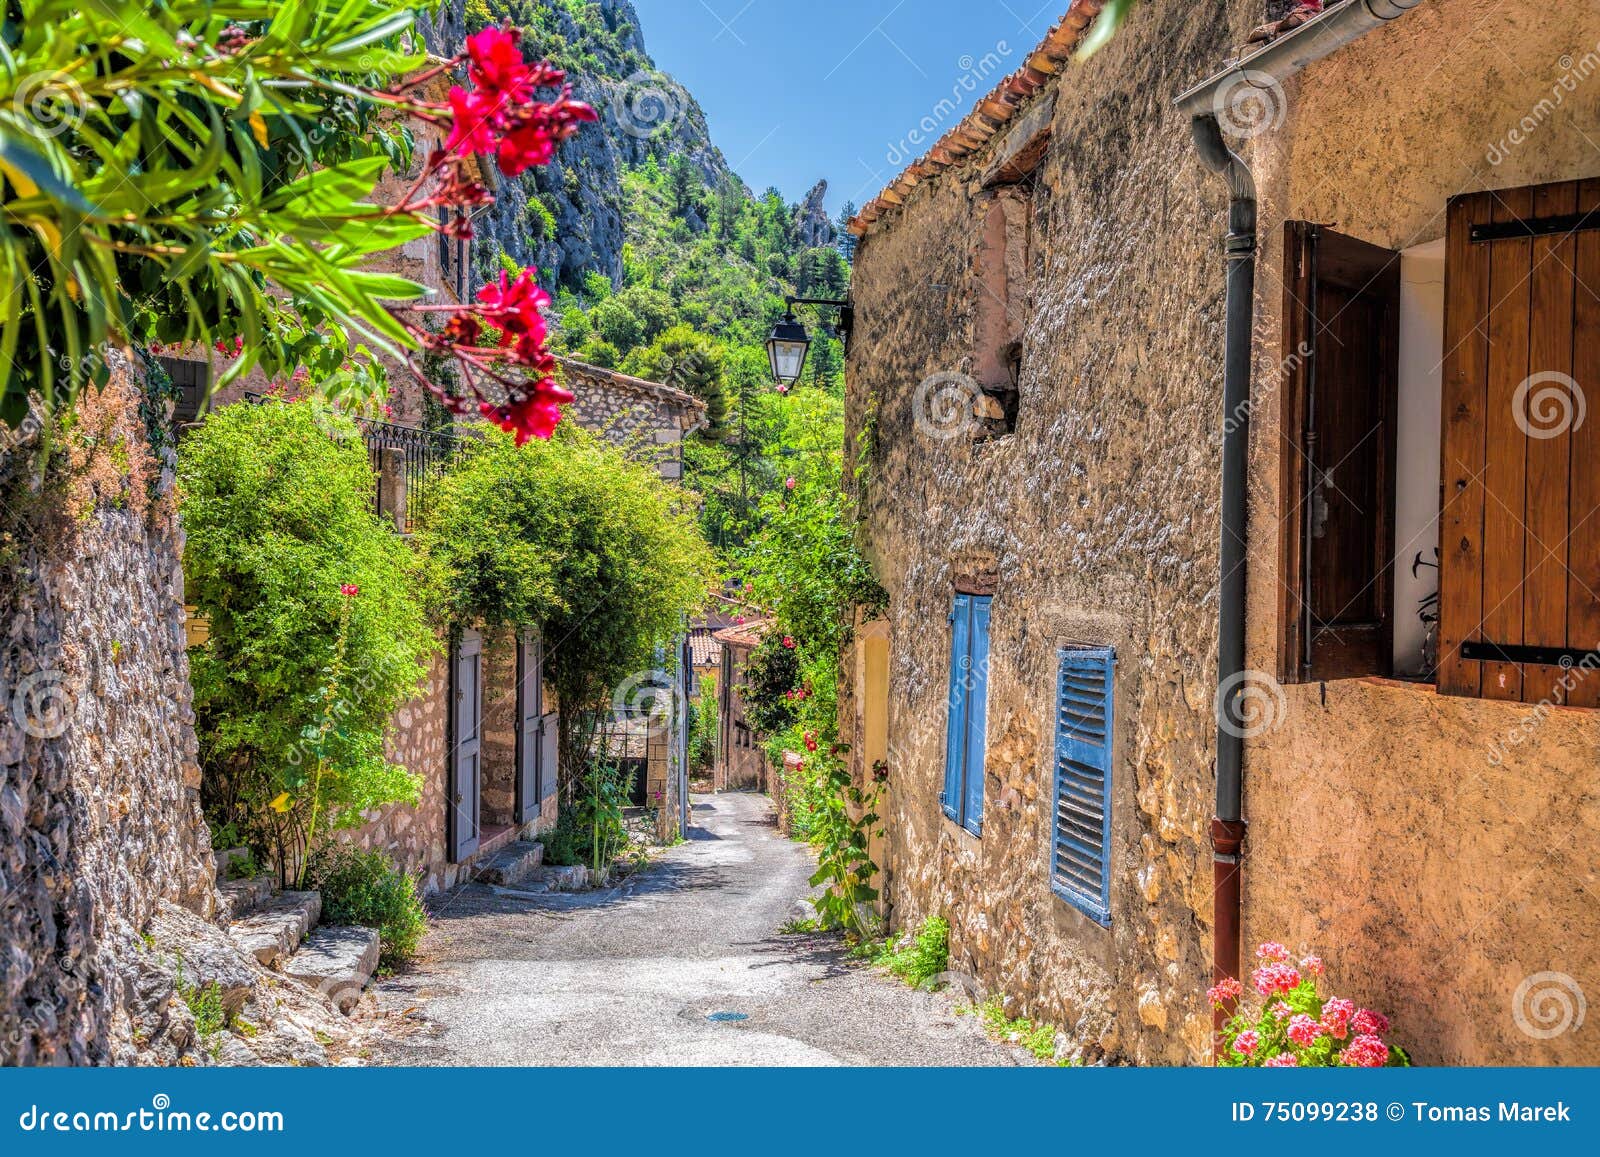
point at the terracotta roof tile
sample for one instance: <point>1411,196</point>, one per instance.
<point>749,635</point>
<point>992,113</point>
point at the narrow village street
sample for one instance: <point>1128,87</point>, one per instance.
<point>636,975</point>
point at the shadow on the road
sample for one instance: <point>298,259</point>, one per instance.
<point>663,877</point>
<point>825,950</point>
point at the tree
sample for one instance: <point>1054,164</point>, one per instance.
<point>574,539</point>
<point>684,183</point>
<point>316,631</point>
<point>688,361</point>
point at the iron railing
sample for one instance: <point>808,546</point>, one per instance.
<point>405,459</point>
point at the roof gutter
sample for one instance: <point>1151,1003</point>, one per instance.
<point>1290,54</point>
<point>1205,103</point>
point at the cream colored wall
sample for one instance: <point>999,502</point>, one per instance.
<point>1442,854</point>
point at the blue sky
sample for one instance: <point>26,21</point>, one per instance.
<point>850,90</point>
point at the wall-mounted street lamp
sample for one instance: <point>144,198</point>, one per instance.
<point>790,343</point>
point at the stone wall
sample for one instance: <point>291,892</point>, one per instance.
<point>1097,517</point>
<point>99,803</point>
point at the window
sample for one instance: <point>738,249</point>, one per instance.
<point>1341,337</point>
<point>962,798</point>
<point>1080,856</point>
<point>1471,558</point>
<point>1520,533</point>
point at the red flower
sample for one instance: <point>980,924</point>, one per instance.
<point>471,125</point>
<point>349,590</point>
<point>1247,1042</point>
<point>525,147</point>
<point>495,65</point>
<point>1282,1061</point>
<point>1369,1023</point>
<point>788,642</point>
<point>1304,1031</point>
<point>811,742</point>
<point>1275,978</point>
<point>1227,989</point>
<point>790,484</point>
<point>1366,1052</point>
<point>1336,1017</point>
<point>514,307</point>
<point>534,416</point>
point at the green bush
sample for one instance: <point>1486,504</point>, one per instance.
<point>366,889</point>
<point>923,957</point>
<point>295,686</point>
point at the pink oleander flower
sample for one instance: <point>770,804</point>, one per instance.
<point>790,484</point>
<point>1247,1042</point>
<point>1274,952</point>
<point>1369,1023</point>
<point>1336,1016</point>
<point>1304,1031</point>
<point>349,590</point>
<point>1366,1052</point>
<point>1282,1061</point>
<point>1271,979</point>
<point>1225,990</point>
<point>1311,966</point>
<point>811,742</point>
<point>788,642</point>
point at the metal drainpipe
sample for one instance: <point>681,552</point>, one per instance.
<point>1228,827</point>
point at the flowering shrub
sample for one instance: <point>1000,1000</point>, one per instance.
<point>202,172</point>
<point>1295,1027</point>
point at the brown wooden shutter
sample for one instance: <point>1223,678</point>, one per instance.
<point>1520,530</point>
<point>1341,372</point>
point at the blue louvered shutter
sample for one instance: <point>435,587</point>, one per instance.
<point>956,728</point>
<point>1080,870</point>
<point>977,682</point>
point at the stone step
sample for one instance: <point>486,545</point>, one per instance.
<point>513,864</point>
<point>337,962</point>
<point>571,879</point>
<point>240,898</point>
<point>275,930</point>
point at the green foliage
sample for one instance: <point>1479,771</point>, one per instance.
<point>295,686</point>
<point>1038,1039</point>
<point>366,889</point>
<point>574,538</point>
<point>703,726</point>
<point>919,959</point>
<point>594,813</point>
<point>205,1005</point>
<point>153,184</point>
<point>772,680</point>
<point>687,361</point>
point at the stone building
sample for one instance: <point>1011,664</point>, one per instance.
<point>1125,580</point>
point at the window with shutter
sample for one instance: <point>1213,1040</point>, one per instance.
<point>1520,536</point>
<point>967,727</point>
<point>1341,373</point>
<point>1080,856</point>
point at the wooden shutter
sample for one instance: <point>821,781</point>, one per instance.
<point>956,727</point>
<point>977,712</point>
<point>1081,844</point>
<point>530,714</point>
<point>466,726</point>
<point>1520,531</point>
<point>1341,374</point>
<point>549,755</point>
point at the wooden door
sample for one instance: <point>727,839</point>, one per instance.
<point>466,733</point>
<point>1342,315</point>
<point>529,725</point>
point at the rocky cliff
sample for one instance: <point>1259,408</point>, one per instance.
<point>568,218</point>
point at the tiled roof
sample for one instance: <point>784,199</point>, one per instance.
<point>704,650</point>
<point>580,373</point>
<point>748,635</point>
<point>991,115</point>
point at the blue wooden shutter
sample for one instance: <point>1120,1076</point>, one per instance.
<point>977,683</point>
<point>956,728</point>
<point>1080,861</point>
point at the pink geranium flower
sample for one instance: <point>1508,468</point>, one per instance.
<point>1225,990</point>
<point>1247,1042</point>
<point>1369,1023</point>
<point>1304,1031</point>
<point>1282,1061</point>
<point>1274,952</point>
<point>1272,979</point>
<point>349,590</point>
<point>1336,1016</point>
<point>1366,1052</point>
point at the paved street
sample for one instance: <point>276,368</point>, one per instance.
<point>634,976</point>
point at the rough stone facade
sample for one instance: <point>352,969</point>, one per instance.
<point>99,802</point>
<point>1379,835</point>
<point>649,420</point>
